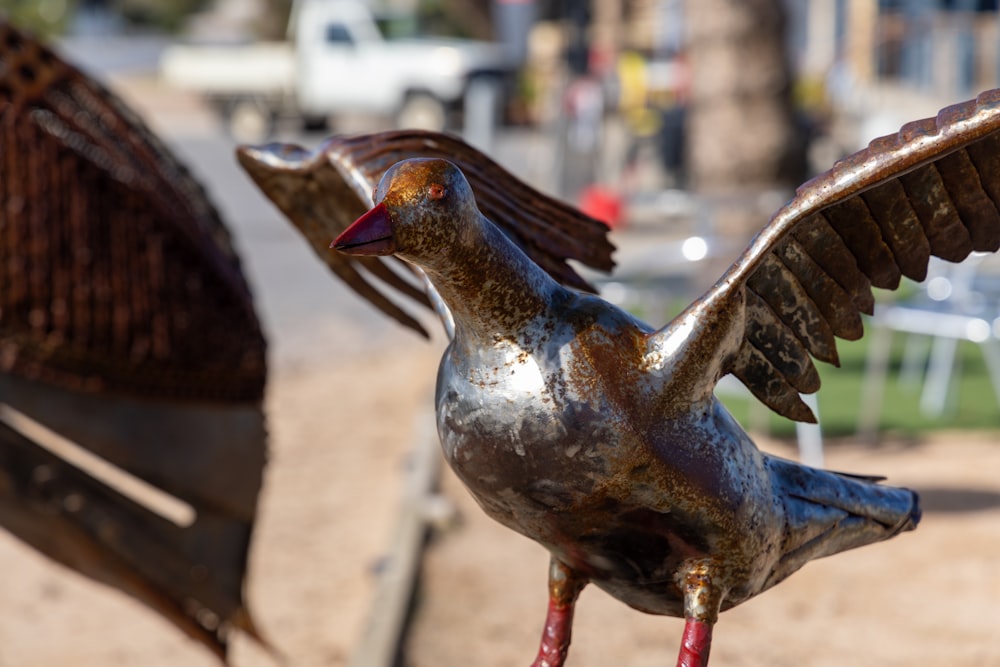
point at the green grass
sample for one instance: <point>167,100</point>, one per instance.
<point>972,404</point>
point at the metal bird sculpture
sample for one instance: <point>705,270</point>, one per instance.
<point>127,335</point>
<point>598,436</point>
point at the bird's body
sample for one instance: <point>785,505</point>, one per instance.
<point>560,415</point>
<point>543,431</point>
<point>577,425</point>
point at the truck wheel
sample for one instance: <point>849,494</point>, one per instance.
<point>249,120</point>
<point>312,123</point>
<point>422,111</point>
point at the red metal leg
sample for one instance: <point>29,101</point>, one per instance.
<point>564,588</point>
<point>702,600</point>
<point>696,644</point>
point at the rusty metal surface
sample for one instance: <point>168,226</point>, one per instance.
<point>191,573</point>
<point>324,190</point>
<point>117,274</point>
<point>598,436</point>
<point>127,328</point>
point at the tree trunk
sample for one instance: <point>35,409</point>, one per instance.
<point>742,138</point>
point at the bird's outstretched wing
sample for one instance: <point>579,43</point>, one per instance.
<point>323,191</point>
<point>931,189</point>
<point>126,327</point>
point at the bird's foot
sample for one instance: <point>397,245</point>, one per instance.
<point>564,588</point>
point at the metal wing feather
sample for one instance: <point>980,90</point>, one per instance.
<point>127,328</point>
<point>325,190</point>
<point>931,189</point>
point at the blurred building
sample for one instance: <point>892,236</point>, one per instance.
<point>880,63</point>
<point>945,48</point>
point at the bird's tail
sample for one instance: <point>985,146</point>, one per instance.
<point>829,512</point>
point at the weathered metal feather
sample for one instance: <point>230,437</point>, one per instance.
<point>324,191</point>
<point>931,189</point>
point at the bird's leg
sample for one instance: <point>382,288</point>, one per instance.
<point>564,587</point>
<point>702,600</point>
<point>695,644</point>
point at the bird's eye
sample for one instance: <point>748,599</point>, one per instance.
<point>436,191</point>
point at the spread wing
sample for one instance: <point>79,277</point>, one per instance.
<point>325,190</point>
<point>877,215</point>
<point>126,327</point>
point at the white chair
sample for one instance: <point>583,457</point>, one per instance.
<point>957,302</point>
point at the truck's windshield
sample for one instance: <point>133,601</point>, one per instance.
<point>398,26</point>
<point>408,26</point>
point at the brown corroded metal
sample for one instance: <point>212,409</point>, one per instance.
<point>118,275</point>
<point>126,327</point>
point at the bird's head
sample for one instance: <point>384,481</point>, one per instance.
<point>421,207</point>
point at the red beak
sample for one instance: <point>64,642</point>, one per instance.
<point>371,234</point>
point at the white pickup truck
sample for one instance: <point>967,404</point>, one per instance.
<point>338,59</point>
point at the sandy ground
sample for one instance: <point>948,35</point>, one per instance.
<point>341,434</point>
<point>931,597</point>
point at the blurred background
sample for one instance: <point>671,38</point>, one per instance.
<point>682,123</point>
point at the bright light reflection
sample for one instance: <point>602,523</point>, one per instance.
<point>694,249</point>
<point>939,288</point>
<point>977,331</point>
<point>526,376</point>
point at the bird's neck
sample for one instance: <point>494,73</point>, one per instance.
<point>491,287</point>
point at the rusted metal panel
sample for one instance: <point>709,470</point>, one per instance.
<point>127,331</point>
<point>117,274</point>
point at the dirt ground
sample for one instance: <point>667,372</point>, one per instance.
<point>341,433</point>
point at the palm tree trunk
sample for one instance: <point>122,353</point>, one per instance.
<point>742,138</point>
